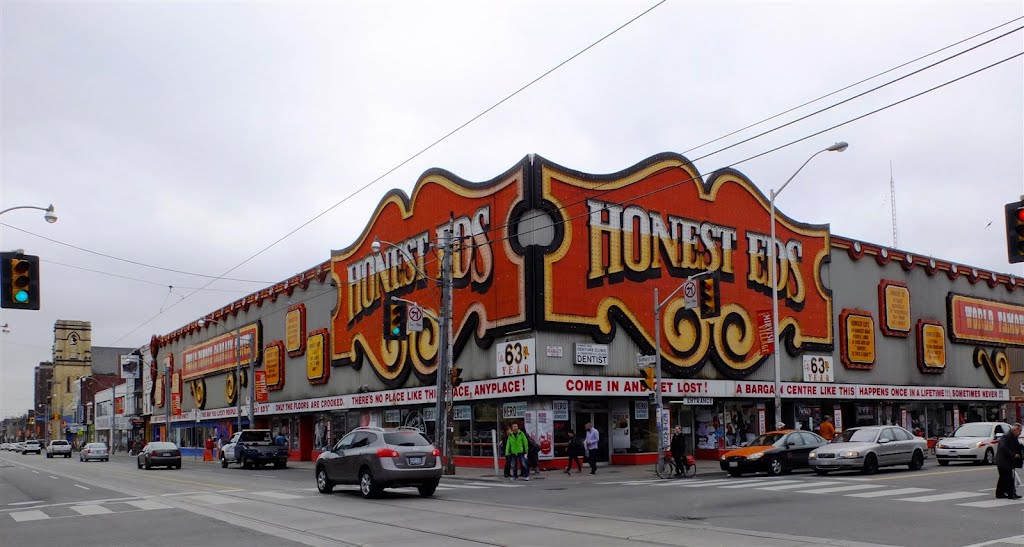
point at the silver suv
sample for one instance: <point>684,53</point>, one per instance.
<point>377,458</point>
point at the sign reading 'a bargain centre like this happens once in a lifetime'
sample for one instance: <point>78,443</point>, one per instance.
<point>648,226</point>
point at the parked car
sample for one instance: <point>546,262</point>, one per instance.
<point>974,442</point>
<point>31,446</point>
<point>252,448</point>
<point>868,448</point>
<point>5,446</point>
<point>58,447</point>
<point>94,451</point>
<point>377,458</point>
<point>775,452</point>
<point>159,454</point>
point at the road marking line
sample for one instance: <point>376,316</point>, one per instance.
<point>842,489</point>
<point>466,486</point>
<point>90,509</point>
<point>691,484</point>
<point>752,483</point>
<point>896,492</point>
<point>488,485</point>
<point>916,475</point>
<point>314,489</point>
<point>25,503</point>
<point>83,487</point>
<point>54,478</point>
<point>147,505</point>
<point>632,483</point>
<point>943,497</point>
<point>797,485</point>
<point>36,472</point>
<point>276,495</point>
<point>1014,540</point>
<point>991,503</point>
<point>23,516</point>
<point>214,499</point>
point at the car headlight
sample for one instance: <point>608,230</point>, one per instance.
<point>979,444</point>
<point>723,458</point>
<point>943,446</point>
<point>755,456</point>
<point>812,455</point>
<point>850,454</point>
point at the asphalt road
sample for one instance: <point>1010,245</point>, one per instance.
<point>113,503</point>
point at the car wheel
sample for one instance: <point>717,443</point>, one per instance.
<point>148,466</point>
<point>775,467</point>
<point>870,465</point>
<point>139,464</point>
<point>427,490</point>
<point>177,466</point>
<point>280,465</point>
<point>943,463</point>
<point>916,461</point>
<point>48,455</point>
<point>223,462</point>
<point>323,484</point>
<point>734,473</point>
<point>821,472</point>
<point>243,463</point>
<point>990,457</point>
<point>367,486</point>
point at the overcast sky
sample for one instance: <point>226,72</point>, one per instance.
<point>191,135</point>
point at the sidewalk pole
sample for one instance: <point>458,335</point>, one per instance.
<point>494,450</point>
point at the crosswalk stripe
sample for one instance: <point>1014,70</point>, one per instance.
<point>466,486</point>
<point>896,492</point>
<point>22,516</point>
<point>752,483</point>
<point>90,509</point>
<point>943,497</point>
<point>693,484</point>
<point>276,495</point>
<point>214,499</point>
<point>147,505</point>
<point>490,484</point>
<point>991,503</point>
<point>797,485</point>
<point>842,489</point>
<point>632,483</point>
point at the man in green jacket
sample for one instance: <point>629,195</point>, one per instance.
<point>516,448</point>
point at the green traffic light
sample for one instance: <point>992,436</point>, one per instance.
<point>396,331</point>
<point>21,297</point>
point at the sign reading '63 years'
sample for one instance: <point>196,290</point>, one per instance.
<point>516,357</point>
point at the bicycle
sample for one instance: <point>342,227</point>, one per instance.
<point>665,467</point>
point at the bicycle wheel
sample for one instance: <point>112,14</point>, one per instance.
<point>665,468</point>
<point>690,470</point>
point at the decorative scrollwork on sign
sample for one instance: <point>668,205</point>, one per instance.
<point>735,340</point>
<point>688,336</point>
<point>996,364</point>
<point>198,388</point>
<point>230,388</point>
<point>424,346</point>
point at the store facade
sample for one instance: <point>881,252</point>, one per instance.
<point>554,302</point>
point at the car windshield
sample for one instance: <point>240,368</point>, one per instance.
<point>254,437</point>
<point>162,446</point>
<point>973,430</point>
<point>768,439</point>
<point>405,438</point>
<point>857,436</point>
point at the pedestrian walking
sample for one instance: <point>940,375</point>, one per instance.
<point>504,444</point>
<point>1009,456</point>
<point>590,444</point>
<point>516,447</point>
<point>826,429</point>
<point>532,454</point>
<point>574,450</point>
<point>678,448</point>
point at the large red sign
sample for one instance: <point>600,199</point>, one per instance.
<point>218,354</point>
<point>653,225</point>
<point>981,321</point>
<point>488,274</point>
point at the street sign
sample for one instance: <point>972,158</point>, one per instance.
<point>652,398</point>
<point>690,294</point>
<point>415,319</point>
<point>645,361</point>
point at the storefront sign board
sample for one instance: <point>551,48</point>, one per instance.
<point>218,354</point>
<point>894,308</point>
<point>295,330</point>
<point>818,368</point>
<point>857,339</point>
<point>931,346</point>
<point>981,321</point>
<point>561,410</point>
<point>591,354</point>
<point>640,410</point>
<point>513,410</point>
<point>515,358</point>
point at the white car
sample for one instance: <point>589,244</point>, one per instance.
<point>59,447</point>
<point>974,442</point>
<point>31,446</point>
<point>94,451</point>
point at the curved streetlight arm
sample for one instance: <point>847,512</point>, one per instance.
<point>50,215</point>
<point>837,147</point>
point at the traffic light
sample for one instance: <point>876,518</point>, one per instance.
<point>710,299</point>
<point>1015,232</point>
<point>456,377</point>
<point>20,276</point>
<point>394,319</point>
<point>649,380</point>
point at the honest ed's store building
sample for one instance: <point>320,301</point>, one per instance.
<point>553,305</point>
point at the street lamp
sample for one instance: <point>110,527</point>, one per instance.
<point>837,147</point>
<point>238,373</point>
<point>658,304</point>
<point>444,410</point>
<point>50,216</point>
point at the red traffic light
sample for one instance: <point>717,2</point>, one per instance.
<point>1020,214</point>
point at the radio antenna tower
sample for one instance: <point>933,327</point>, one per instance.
<point>892,203</point>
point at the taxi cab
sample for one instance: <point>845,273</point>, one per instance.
<point>775,452</point>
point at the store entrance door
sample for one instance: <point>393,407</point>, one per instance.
<point>600,420</point>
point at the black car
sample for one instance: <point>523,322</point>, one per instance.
<point>160,454</point>
<point>775,452</point>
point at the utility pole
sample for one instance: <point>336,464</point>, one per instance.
<point>445,408</point>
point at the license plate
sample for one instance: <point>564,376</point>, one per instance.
<point>734,464</point>
<point>416,460</point>
<point>167,454</point>
<point>952,452</point>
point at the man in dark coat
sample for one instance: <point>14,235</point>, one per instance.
<point>1009,455</point>
<point>678,448</point>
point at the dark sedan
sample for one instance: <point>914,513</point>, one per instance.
<point>158,454</point>
<point>775,452</point>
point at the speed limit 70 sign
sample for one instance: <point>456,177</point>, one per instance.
<point>515,357</point>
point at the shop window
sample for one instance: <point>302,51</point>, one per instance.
<point>643,431</point>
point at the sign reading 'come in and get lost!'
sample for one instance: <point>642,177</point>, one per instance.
<point>981,321</point>
<point>857,339</point>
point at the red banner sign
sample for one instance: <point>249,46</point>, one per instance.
<point>119,405</point>
<point>765,338</point>
<point>489,274</point>
<point>262,395</point>
<point>218,354</point>
<point>655,224</point>
<point>980,321</point>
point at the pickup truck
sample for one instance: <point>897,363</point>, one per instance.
<point>58,448</point>
<point>252,448</point>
